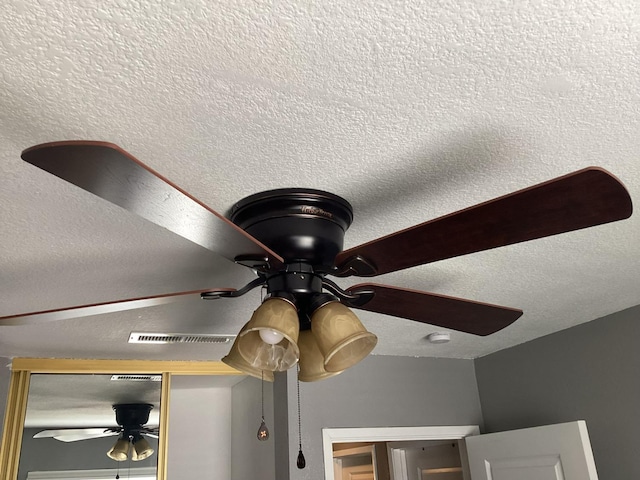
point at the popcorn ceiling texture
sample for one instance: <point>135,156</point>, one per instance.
<point>408,109</point>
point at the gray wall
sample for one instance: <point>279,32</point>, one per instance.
<point>379,391</point>
<point>199,445</point>
<point>589,372</point>
<point>251,459</point>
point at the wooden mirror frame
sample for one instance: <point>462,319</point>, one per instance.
<point>22,368</point>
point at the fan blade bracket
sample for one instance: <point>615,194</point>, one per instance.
<point>232,293</point>
<point>362,297</point>
<point>356,265</point>
<point>258,263</point>
<point>355,298</point>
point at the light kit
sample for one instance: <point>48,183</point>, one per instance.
<point>324,335</point>
<point>131,443</point>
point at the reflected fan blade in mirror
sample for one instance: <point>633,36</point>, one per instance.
<point>76,434</point>
<point>105,307</point>
<point>111,173</point>
<point>585,198</point>
<point>440,310</point>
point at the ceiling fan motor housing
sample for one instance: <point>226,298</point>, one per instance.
<point>302,225</point>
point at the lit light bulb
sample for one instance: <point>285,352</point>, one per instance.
<point>270,336</point>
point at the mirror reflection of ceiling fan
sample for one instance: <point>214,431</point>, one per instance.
<point>131,419</point>
<point>293,240</point>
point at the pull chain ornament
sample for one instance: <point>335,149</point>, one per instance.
<point>263,431</point>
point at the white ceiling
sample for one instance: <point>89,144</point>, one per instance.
<point>410,110</point>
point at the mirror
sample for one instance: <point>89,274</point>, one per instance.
<point>72,421</point>
<point>32,398</point>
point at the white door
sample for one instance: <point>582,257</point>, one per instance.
<point>553,452</point>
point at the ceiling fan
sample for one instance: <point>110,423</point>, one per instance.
<point>293,239</point>
<point>131,418</point>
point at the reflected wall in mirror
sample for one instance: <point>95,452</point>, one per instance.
<point>71,424</point>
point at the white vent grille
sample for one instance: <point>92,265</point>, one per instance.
<point>156,338</point>
<point>136,378</point>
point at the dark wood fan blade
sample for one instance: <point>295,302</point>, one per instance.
<point>447,312</point>
<point>106,307</point>
<point>581,199</point>
<point>109,172</point>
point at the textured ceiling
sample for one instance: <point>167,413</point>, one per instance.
<point>410,110</point>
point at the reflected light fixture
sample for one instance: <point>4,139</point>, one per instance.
<point>141,448</point>
<point>120,450</point>
<point>130,445</point>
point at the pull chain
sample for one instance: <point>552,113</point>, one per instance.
<point>301,462</point>
<point>263,431</point>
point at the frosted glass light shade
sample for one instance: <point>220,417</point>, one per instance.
<point>311,359</point>
<point>281,316</point>
<point>235,360</point>
<point>120,450</point>
<point>341,337</point>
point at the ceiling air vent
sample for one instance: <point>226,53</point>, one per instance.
<point>178,338</point>
<point>136,378</point>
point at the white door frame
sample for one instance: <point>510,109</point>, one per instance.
<point>387,434</point>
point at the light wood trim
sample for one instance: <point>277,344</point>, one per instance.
<point>163,440</point>
<point>22,368</point>
<point>13,422</point>
<point>68,365</point>
<point>346,452</point>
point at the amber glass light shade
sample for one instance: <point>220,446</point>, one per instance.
<point>341,337</point>
<point>274,315</point>
<point>235,360</point>
<point>311,359</point>
<point>120,450</point>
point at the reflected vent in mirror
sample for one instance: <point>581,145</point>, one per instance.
<point>178,338</point>
<point>136,378</point>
